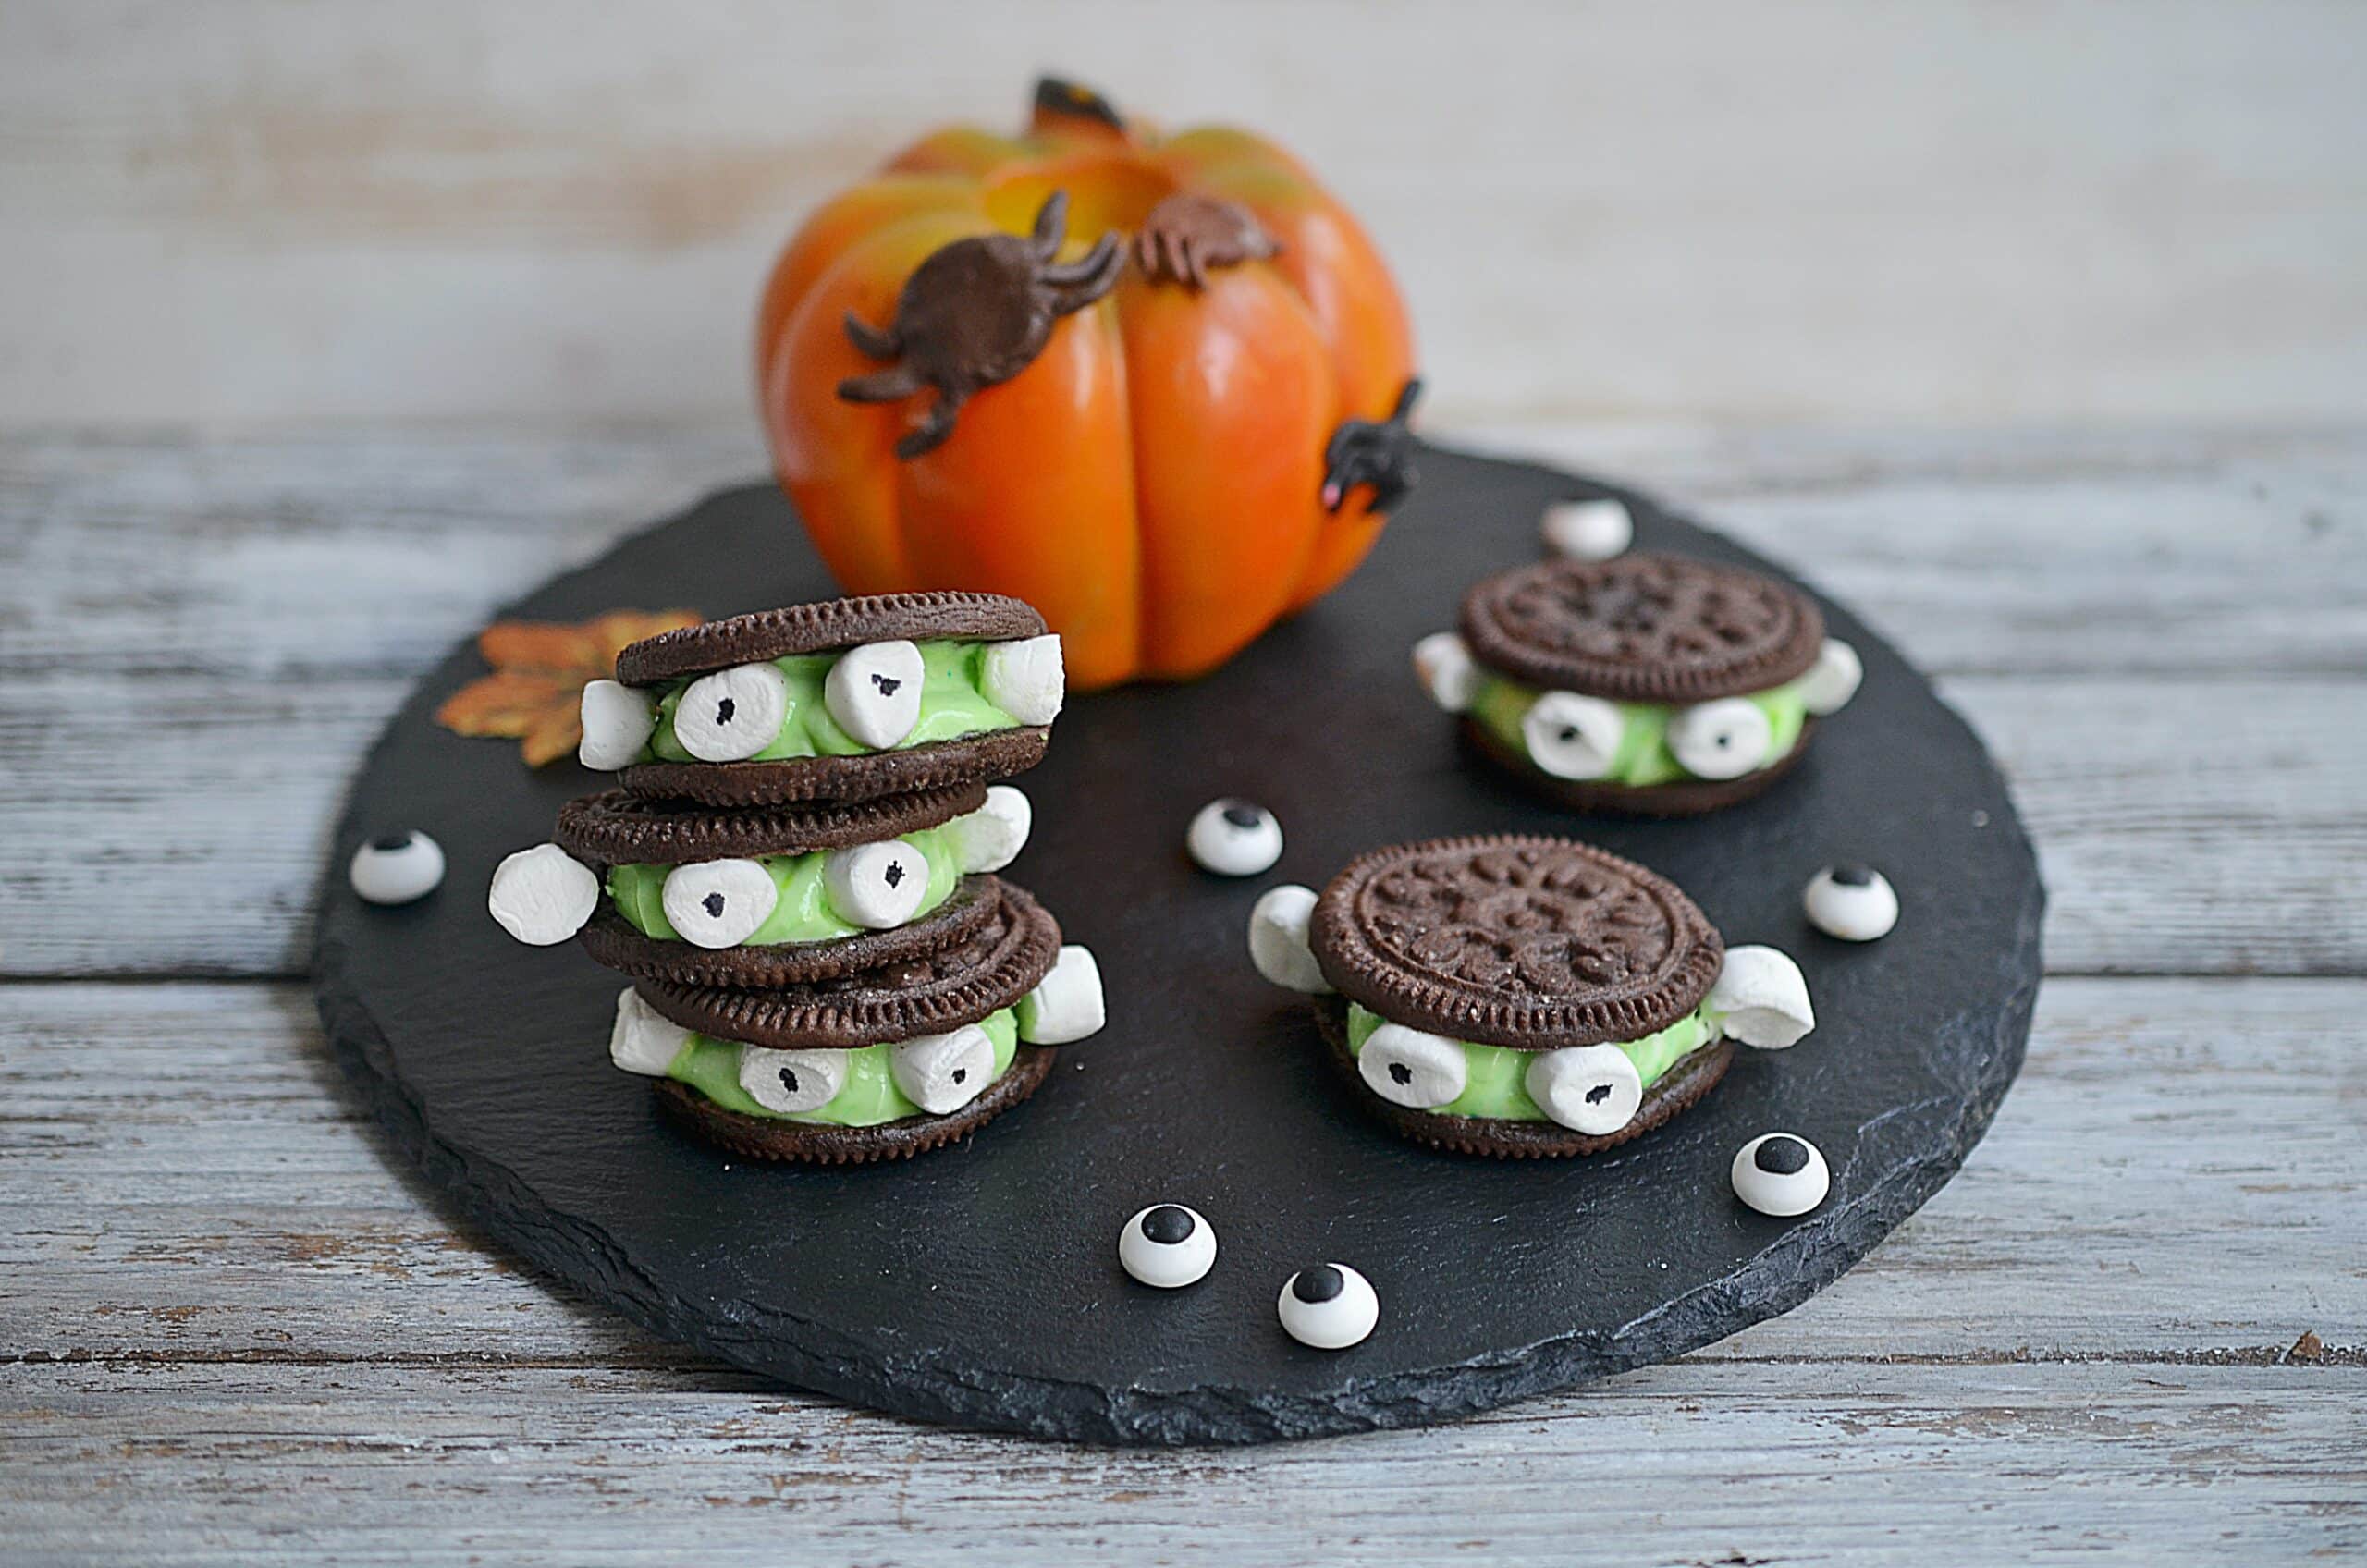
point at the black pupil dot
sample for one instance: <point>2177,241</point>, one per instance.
<point>1599,1094</point>
<point>1570,736</point>
<point>961,1074</point>
<point>391,842</point>
<point>894,875</point>
<point>1321,1283</point>
<point>1167,1224</point>
<point>1241,815</point>
<point>724,710</point>
<point>1782,1156</point>
<point>1400,1073</point>
<point>788,1079</point>
<point>1854,875</point>
<point>886,684</point>
<point>713,904</point>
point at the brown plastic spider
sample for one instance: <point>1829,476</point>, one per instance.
<point>978,312</point>
<point>1188,236</point>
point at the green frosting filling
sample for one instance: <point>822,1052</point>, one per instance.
<point>870,1097</point>
<point>804,913</point>
<point>1644,757</point>
<point>1495,1082</point>
<point>952,705</point>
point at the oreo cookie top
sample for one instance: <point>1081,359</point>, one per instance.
<point>1640,627</point>
<point>619,828</point>
<point>1532,943</point>
<point>822,627</point>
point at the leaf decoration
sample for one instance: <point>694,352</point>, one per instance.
<point>540,668</point>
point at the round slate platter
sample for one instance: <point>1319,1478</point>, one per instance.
<point>979,1284</point>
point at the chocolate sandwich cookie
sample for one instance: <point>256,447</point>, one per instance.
<point>877,1065</point>
<point>1521,996</point>
<point>845,700</point>
<point>1646,683</point>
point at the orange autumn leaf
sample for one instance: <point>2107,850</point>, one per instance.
<point>540,668</point>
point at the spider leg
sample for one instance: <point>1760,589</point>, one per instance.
<point>934,426</point>
<point>1088,278</point>
<point>882,386</point>
<point>1052,224</point>
<point>871,340</point>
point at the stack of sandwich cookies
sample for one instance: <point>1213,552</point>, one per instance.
<point>1646,683</point>
<point>798,874</point>
<point>1523,997</point>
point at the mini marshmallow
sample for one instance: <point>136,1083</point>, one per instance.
<point>719,904</point>
<point>1724,738</point>
<point>991,837</point>
<point>1571,736</point>
<point>396,868</point>
<point>1833,679</point>
<point>1234,838</point>
<point>1067,1005</point>
<point>641,1041</point>
<point>618,721</point>
<point>1409,1068</point>
<point>1026,679</point>
<point>1853,902</point>
<point>791,1083</point>
<point>1167,1245</point>
<point>875,886</point>
<point>543,896</point>
<point>1781,1174</point>
<point>941,1073</point>
<point>1591,1089</point>
<point>875,692</point>
<point>1329,1306</point>
<point>1588,530</point>
<point>1761,998</point>
<point>1442,664</point>
<point>1278,939</point>
<point>733,714</point>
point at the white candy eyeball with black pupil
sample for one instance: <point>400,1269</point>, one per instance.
<point>719,904</point>
<point>791,1083</point>
<point>1571,736</point>
<point>617,722</point>
<point>1588,530</point>
<point>395,868</point>
<point>1409,1068</point>
<point>1591,1089</point>
<point>875,886</point>
<point>875,692</point>
<point>941,1073</point>
<point>1234,838</point>
<point>1781,1174</point>
<point>733,714</point>
<point>1724,739</point>
<point>1834,679</point>
<point>1853,902</point>
<point>1329,1306</point>
<point>543,896</point>
<point>1167,1245</point>
<point>1442,663</point>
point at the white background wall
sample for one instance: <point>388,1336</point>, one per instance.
<point>240,212</point>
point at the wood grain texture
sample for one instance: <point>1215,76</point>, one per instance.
<point>253,211</point>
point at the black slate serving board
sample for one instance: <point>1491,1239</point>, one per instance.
<point>979,1285</point>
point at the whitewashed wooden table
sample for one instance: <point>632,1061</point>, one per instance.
<point>2135,1327</point>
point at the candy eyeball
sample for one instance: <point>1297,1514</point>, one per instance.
<point>1781,1174</point>
<point>1571,736</point>
<point>1329,1306</point>
<point>941,1073</point>
<point>395,868</point>
<point>1588,530</point>
<point>1278,939</point>
<point>719,904</point>
<point>991,837</point>
<point>875,886</point>
<point>1834,679</point>
<point>616,724</point>
<point>641,1041</point>
<point>1409,1068</point>
<point>1167,1245</point>
<point>1026,679</point>
<point>1761,998</point>
<point>1234,838</point>
<point>543,896</point>
<point>791,1083</point>
<point>1853,902</point>
<point>733,714</point>
<point>1442,663</point>
<point>1724,739</point>
<point>1067,1005</point>
<point>875,692</point>
<point>1591,1089</point>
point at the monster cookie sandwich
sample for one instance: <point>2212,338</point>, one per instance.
<point>843,700</point>
<point>879,1064</point>
<point>1522,996</point>
<point>1644,683</point>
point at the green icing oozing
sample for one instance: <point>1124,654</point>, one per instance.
<point>952,705</point>
<point>1495,1078</point>
<point>870,1097</point>
<point>1644,757</point>
<point>804,913</point>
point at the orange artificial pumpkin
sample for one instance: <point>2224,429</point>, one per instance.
<point>1154,386</point>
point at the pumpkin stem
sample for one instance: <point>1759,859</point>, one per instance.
<point>1061,101</point>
